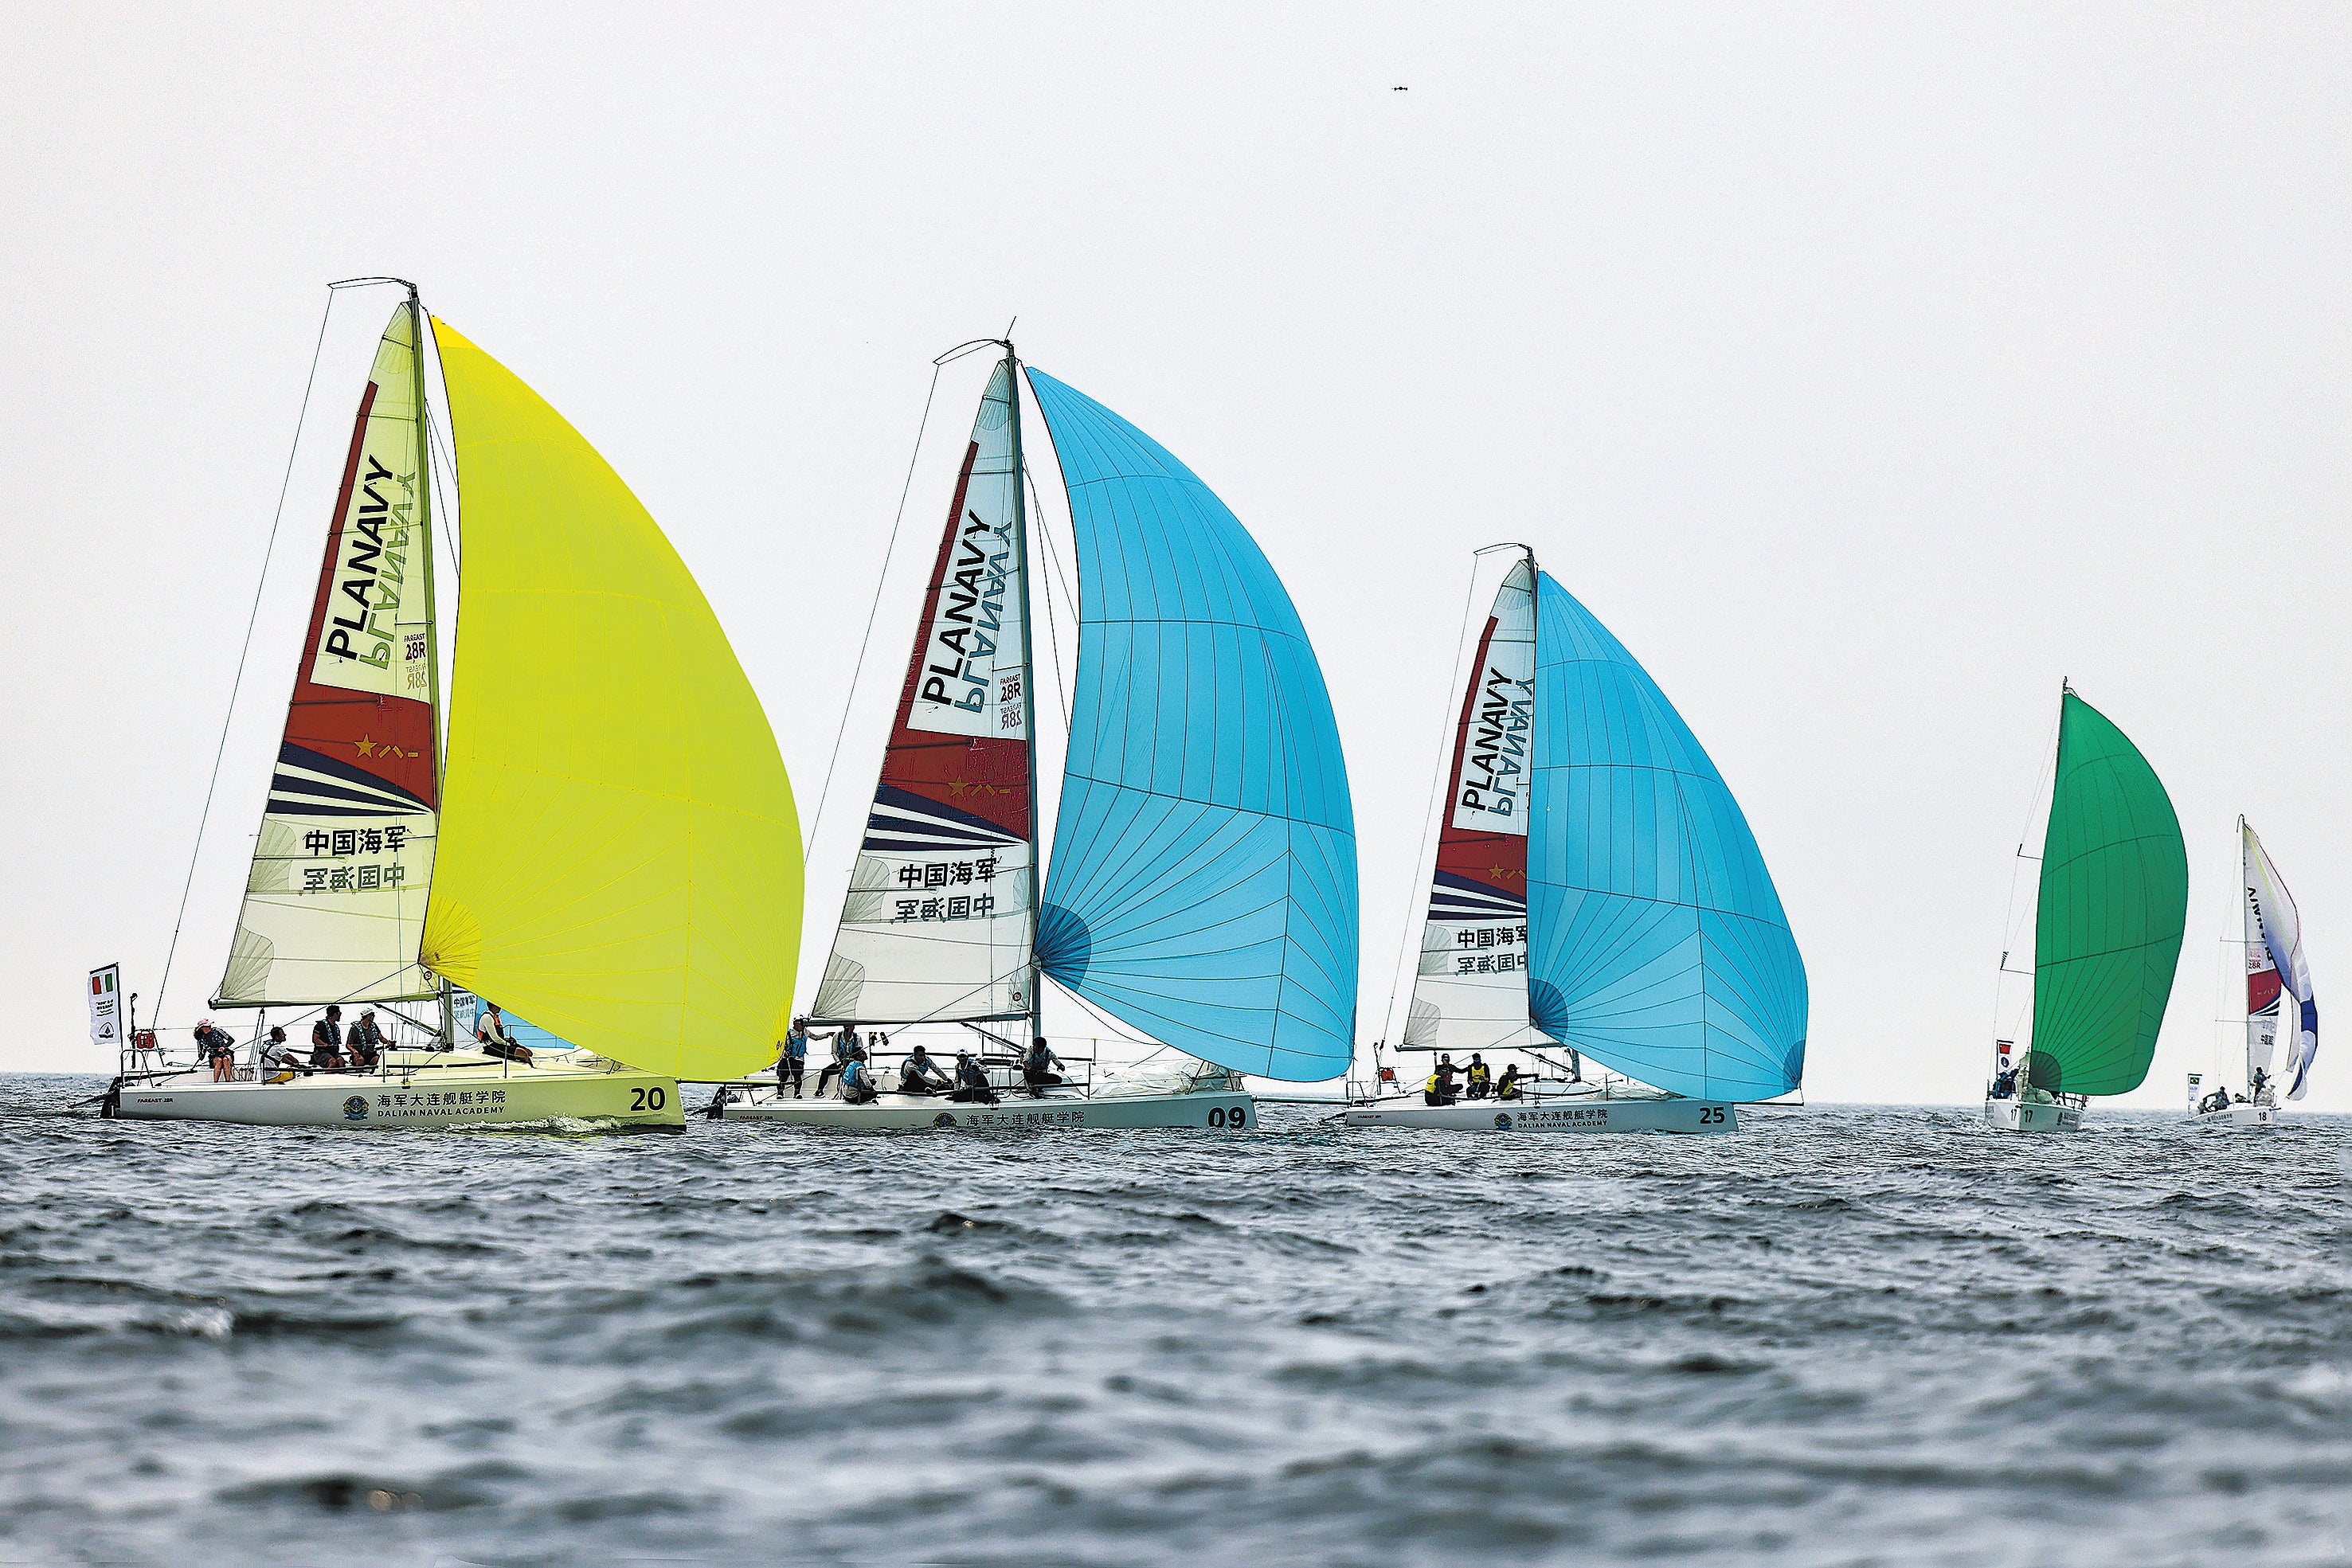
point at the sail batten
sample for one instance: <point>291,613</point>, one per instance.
<point>619,855</point>
<point>1204,876</point>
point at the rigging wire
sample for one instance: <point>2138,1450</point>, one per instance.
<point>1053,565</point>
<point>2043,777</point>
<point>252,620</point>
<point>1461,641</point>
<point>881,579</point>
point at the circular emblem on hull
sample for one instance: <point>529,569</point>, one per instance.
<point>943,1119</point>
<point>355,1108</point>
<point>1503,1120</point>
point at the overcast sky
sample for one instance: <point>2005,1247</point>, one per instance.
<point>1867,369</point>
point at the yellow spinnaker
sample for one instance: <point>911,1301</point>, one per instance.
<point>619,859</point>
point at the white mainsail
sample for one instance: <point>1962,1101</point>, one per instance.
<point>334,900</point>
<point>1470,990</point>
<point>2279,1001</point>
<point>940,924</point>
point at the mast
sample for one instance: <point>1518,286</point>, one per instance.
<point>1028,663</point>
<point>448,1025</point>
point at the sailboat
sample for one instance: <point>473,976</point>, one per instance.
<point>605,845</point>
<point>2278,1000</point>
<point>1201,888</point>
<point>1597,900</point>
<point>2112,905</point>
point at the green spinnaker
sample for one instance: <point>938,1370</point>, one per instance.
<point>2114,903</point>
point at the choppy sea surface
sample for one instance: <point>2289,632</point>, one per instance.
<point>1847,1335</point>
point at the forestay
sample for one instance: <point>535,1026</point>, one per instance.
<point>1202,886</point>
<point>1470,987</point>
<point>620,859</point>
<point>2113,903</point>
<point>1657,942</point>
<point>939,917</point>
<point>335,900</point>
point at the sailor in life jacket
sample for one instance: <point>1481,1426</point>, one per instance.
<point>1481,1076</point>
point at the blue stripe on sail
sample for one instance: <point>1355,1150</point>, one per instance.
<point>1203,881</point>
<point>1656,941</point>
<point>1452,897</point>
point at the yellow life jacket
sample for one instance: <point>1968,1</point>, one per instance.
<point>1431,1086</point>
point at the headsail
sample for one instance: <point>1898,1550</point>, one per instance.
<point>2114,902</point>
<point>1470,991</point>
<point>620,860</point>
<point>2276,970</point>
<point>335,901</point>
<point>1657,942</point>
<point>1203,878</point>
<point>941,916</point>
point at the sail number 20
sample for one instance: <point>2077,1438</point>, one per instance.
<point>648,1099</point>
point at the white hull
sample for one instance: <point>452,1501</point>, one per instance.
<point>1216,1110</point>
<point>418,1091</point>
<point>2238,1115</point>
<point>1555,1116</point>
<point>2017,1116</point>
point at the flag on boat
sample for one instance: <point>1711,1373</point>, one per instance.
<point>106,1007</point>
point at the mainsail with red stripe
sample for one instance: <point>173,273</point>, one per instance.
<point>1471,991</point>
<point>941,920</point>
<point>334,903</point>
<point>2279,1001</point>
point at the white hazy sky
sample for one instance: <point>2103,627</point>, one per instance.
<point>1865,369</point>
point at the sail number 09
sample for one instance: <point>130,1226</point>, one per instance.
<point>1237,1117</point>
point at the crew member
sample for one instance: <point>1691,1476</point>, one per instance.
<point>844,1044</point>
<point>277,1058</point>
<point>1037,1068</point>
<point>793,1060</point>
<point>856,1078</point>
<point>1507,1086</point>
<point>366,1041</point>
<point>327,1042</point>
<point>972,1081</point>
<point>1481,1077</point>
<point>1439,1090</point>
<point>496,1041</point>
<point>918,1074</point>
<point>218,1049</point>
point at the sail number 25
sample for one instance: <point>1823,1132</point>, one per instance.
<point>1710,1115</point>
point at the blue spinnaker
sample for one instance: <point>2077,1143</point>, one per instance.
<point>1204,880</point>
<point>1656,944</point>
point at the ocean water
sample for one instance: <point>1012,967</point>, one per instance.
<point>1847,1335</point>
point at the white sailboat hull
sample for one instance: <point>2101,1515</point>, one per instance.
<point>1581,1115</point>
<point>2238,1115</point>
<point>2017,1116</point>
<point>1217,1111</point>
<point>480,1092</point>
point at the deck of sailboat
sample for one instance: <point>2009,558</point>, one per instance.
<point>416,1088</point>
